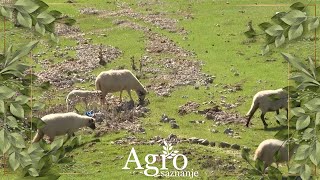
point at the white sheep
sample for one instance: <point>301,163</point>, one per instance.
<point>119,80</point>
<point>63,123</point>
<point>76,96</point>
<point>266,101</point>
<point>270,148</point>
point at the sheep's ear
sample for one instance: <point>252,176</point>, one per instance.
<point>92,120</point>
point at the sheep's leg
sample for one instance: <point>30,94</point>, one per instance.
<point>263,121</point>
<point>129,92</point>
<point>120,96</point>
<point>249,118</point>
<point>38,136</point>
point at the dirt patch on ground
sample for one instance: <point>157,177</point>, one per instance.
<point>189,107</point>
<point>217,114</point>
<point>157,19</point>
<point>70,71</point>
<point>168,73</point>
<point>64,30</point>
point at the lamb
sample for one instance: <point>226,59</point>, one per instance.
<point>119,80</point>
<point>77,95</point>
<point>63,123</point>
<point>268,100</point>
<point>269,148</point>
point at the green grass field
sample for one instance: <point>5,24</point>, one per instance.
<point>215,34</point>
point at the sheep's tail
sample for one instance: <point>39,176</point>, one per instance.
<point>253,108</point>
<point>39,135</point>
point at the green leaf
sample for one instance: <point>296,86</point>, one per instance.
<point>294,169</point>
<point>294,17</point>
<point>23,51</point>
<point>245,154</point>
<point>298,6</point>
<point>296,63</point>
<point>295,31</point>
<point>4,143</point>
<point>55,13</point>
<point>305,172</point>
<point>12,122</point>
<point>54,38</point>
<point>308,134</point>
<point>283,134</point>
<point>17,110</point>
<point>265,25</point>
<point>45,18</point>
<point>282,118</point>
<point>259,165</point>
<point>56,144</point>
<point>279,40</point>
<point>40,28</point>
<point>6,12</point>
<point>38,106</point>
<point>298,111</point>
<point>277,17</point>
<point>42,6</point>
<point>314,24</point>
<point>18,140</point>
<point>22,99</point>
<point>274,30</point>
<point>6,93</point>
<point>33,172</point>
<point>24,19</point>
<point>312,67</point>
<point>27,5</point>
<point>35,148</point>
<point>70,21</point>
<point>250,34</point>
<point>317,121</point>
<point>274,173</point>
<point>303,122</point>
<point>315,154</point>
<point>2,109</point>
<point>313,104</point>
<point>13,161</point>
<point>25,159</point>
<point>265,49</point>
<point>302,152</point>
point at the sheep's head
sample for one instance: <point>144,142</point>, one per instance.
<point>91,123</point>
<point>141,96</point>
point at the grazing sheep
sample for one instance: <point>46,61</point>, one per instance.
<point>61,124</point>
<point>119,80</point>
<point>268,149</point>
<point>268,100</point>
<point>81,95</point>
